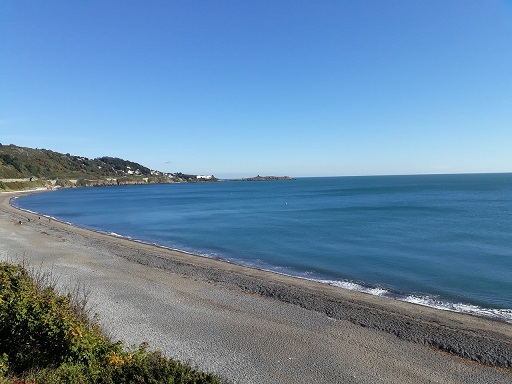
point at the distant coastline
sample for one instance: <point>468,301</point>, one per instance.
<point>264,178</point>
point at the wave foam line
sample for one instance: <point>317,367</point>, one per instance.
<point>427,301</point>
<point>502,314</point>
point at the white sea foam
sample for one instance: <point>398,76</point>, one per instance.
<point>496,313</point>
<point>376,291</point>
<point>502,314</point>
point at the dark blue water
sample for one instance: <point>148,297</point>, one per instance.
<point>438,240</point>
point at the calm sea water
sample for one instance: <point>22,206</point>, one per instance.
<point>438,240</point>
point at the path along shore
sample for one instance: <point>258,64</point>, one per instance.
<point>253,326</point>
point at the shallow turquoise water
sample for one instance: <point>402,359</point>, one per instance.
<point>439,240</point>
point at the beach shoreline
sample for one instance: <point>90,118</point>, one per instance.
<point>481,340</point>
<point>422,300</point>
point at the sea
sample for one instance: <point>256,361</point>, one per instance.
<point>443,241</point>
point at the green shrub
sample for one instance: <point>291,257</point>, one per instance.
<point>81,183</point>
<point>4,364</point>
<point>38,327</point>
<point>47,338</point>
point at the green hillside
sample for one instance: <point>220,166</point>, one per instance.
<point>24,168</point>
<point>20,162</point>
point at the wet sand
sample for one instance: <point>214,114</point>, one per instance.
<point>253,326</point>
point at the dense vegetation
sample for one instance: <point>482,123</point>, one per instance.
<point>21,162</point>
<point>49,338</point>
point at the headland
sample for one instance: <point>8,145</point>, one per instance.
<point>264,178</point>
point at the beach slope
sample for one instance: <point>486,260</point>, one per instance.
<point>252,326</point>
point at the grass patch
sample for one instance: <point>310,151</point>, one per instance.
<point>13,186</point>
<point>49,338</point>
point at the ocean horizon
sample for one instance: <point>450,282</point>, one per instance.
<point>437,240</point>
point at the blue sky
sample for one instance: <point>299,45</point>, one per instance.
<point>239,88</point>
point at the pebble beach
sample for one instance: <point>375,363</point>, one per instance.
<point>253,326</point>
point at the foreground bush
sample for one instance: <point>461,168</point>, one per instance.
<point>48,338</point>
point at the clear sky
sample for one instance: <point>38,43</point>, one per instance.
<point>270,87</point>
